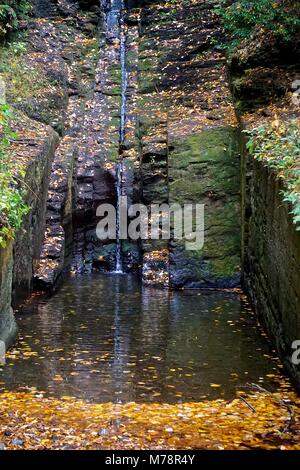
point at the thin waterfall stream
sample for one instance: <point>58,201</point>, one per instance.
<point>119,184</point>
<point>120,166</point>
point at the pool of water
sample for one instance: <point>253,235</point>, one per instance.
<point>106,338</point>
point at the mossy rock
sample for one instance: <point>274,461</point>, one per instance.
<point>205,169</point>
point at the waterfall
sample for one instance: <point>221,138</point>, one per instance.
<point>119,180</point>
<point>120,167</point>
<point>115,30</point>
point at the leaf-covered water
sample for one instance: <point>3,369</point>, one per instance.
<point>105,338</point>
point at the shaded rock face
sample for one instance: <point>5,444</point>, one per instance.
<point>205,169</point>
<point>28,243</point>
<point>88,3</point>
<point>272,261</point>
<point>262,74</point>
<point>35,150</point>
<point>83,173</point>
<point>262,70</point>
<point>189,144</point>
<point>101,150</point>
<point>8,327</point>
<point>180,146</point>
<point>58,234</point>
<point>59,51</point>
<point>75,40</point>
<point>56,8</point>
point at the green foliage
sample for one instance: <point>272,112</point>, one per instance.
<point>277,145</point>
<point>243,16</point>
<point>12,206</point>
<point>11,11</point>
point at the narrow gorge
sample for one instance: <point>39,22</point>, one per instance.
<point>126,103</point>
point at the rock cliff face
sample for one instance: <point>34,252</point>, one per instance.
<point>74,48</point>
<point>271,244</point>
<point>189,149</point>
<point>180,146</point>
<point>35,150</point>
<point>272,262</point>
<point>8,327</point>
<point>53,101</point>
<point>37,163</point>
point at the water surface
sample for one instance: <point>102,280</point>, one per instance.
<point>105,338</point>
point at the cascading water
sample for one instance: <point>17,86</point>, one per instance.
<point>116,29</point>
<point>119,184</point>
<point>120,167</point>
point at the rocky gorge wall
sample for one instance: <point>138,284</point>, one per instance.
<point>188,143</point>
<point>262,87</point>
<point>8,327</point>
<point>46,86</point>
<point>180,146</point>
<point>18,259</point>
<point>272,263</point>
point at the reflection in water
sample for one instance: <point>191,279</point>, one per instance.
<point>106,338</point>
